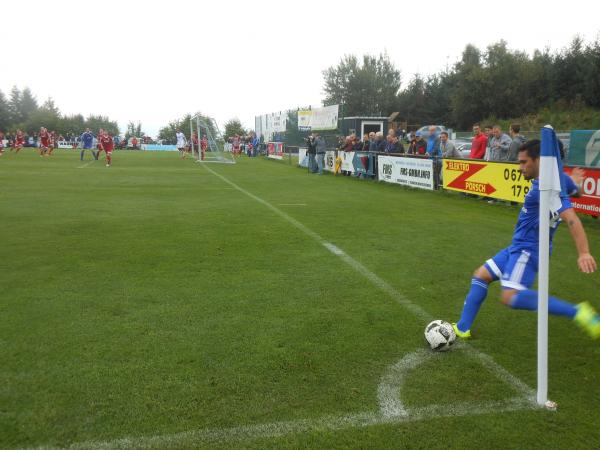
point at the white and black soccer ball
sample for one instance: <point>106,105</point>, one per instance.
<point>440,335</point>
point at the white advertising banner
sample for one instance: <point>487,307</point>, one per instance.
<point>267,124</point>
<point>330,161</point>
<point>413,172</point>
<point>325,118</point>
<point>302,157</point>
<point>347,158</point>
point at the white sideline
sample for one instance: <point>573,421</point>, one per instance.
<point>391,409</point>
<point>86,164</point>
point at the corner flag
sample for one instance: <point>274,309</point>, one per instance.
<point>551,187</point>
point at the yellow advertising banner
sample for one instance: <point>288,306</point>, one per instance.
<point>503,181</point>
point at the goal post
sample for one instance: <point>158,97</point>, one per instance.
<point>208,131</point>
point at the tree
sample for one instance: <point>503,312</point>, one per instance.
<point>233,127</point>
<point>134,130</point>
<point>94,123</point>
<point>369,87</point>
<point>4,112</point>
<point>14,106</point>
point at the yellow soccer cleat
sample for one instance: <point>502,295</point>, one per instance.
<point>588,319</point>
<point>461,334</point>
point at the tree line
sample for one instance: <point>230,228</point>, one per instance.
<point>22,111</point>
<point>495,82</point>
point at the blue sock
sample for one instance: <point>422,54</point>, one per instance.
<point>473,302</point>
<point>528,299</point>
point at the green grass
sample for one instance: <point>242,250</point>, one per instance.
<point>151,298</point>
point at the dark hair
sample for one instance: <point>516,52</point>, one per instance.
<point>477,125</point>
<point>515,127</point>
<point>444,132</point>
<point>532,147</point>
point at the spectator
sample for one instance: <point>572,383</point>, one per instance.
<point>320,149</point>
<point>517,141</point>
<point>380,142</point>
<point>312,152</point>
<point>447,147</point>
<point>366,143</point>
<point>487,130</point>
<point>433,141</point>
<point>499,145</point>
<point>479,143</point>
<point>372,142</point>
<point>358,145</point>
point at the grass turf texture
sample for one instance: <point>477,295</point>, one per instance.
<point>152,298</point>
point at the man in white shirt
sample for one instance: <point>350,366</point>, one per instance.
<point>181,142</point>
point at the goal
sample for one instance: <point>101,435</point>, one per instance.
<point>208,131</point>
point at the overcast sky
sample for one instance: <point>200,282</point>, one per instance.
<point>154,61</point>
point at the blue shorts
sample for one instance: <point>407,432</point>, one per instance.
<point>516,269</point>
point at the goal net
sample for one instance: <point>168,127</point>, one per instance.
<point>207,144</point>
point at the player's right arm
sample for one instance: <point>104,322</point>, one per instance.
<point>585,261</point>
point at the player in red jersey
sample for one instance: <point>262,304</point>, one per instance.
<point>44,141</point>
<point>53,142</point>
<point>19,141</point>
<point>107,144</point>
<point>1,143</point>
<point>203,146</point>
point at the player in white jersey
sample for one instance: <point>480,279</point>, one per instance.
<point>181,142</point>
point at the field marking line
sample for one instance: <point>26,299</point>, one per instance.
<point>86,164</point>
<point>292,204</point>
<point>384,286</point>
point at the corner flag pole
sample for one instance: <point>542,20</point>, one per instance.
<point>550,188</point>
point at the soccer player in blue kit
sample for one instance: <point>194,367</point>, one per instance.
<point>87,141</point>
<point>516,266</point>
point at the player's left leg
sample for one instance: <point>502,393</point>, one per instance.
<point>108,159</point>
<point>489,272</point>
<point>517,280</point>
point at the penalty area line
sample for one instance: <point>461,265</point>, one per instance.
<point>86,164</point>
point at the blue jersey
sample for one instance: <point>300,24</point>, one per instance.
<point>88,139</point>
<point>526,235</point>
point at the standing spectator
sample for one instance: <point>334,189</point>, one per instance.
<point>311,151</point>
<point>1,143</point>
<point>487,130</point>
<point>448,148</point>
<point>134,141</point>
<point>366,143</point>
<point>320,150</point>
<point>517,141</point>
<point>380,142</point>
<point>435,152</point>
<point>419,146</point>
<point>499,145</point>
<point>479,143</point>
<point>433,141</point>
<point>372,142</point>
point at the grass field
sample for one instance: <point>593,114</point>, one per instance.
<point>166,304</point>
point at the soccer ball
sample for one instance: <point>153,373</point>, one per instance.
<point>440,335</point>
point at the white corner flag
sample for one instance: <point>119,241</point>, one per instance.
<point>551,186</point>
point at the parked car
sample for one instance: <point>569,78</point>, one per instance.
<point>425,130</point>
<point>464,147</point>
